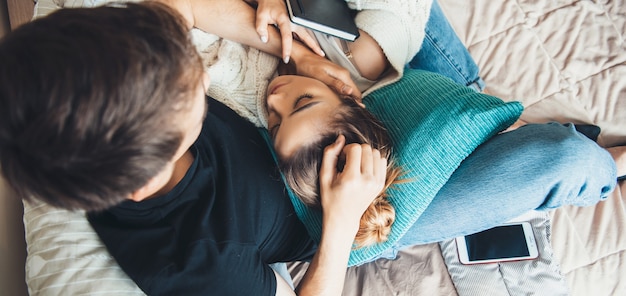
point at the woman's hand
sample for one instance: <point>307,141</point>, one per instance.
<point>274,12</point>
<point>306,63</point>
<point>346,194</point>
<point>307,54</point>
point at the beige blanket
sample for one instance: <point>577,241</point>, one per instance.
<point>566,61</point>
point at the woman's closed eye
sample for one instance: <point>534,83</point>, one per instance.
<point>302,102</point>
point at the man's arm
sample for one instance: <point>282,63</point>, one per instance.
<point>235,21</point>
<point>239,21</point>
<point>232,20</point>
<point>327,271</point>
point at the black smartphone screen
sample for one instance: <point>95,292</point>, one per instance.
<point>496,243</point>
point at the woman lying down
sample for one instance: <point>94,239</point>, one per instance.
<point>306,116</point>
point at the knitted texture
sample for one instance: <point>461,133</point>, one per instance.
<point>434,125</point>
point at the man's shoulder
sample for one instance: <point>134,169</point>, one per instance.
<point>233,137</point>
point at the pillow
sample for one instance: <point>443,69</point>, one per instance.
<point>434,125</point>
<point>66,257</point>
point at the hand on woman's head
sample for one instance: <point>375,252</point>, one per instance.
<point>314,66</point>
<point>368,141</point>
<point>349,192</point>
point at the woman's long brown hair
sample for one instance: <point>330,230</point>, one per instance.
<point>358,125</point>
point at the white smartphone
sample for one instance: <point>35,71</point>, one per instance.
<point>507,242</point>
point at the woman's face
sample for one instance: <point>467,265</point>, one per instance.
<point>299,109</point>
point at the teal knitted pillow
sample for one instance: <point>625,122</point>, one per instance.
<point>434,125</point>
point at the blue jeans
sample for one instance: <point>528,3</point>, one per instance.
<point>443,52</point>
<point>536,167</point>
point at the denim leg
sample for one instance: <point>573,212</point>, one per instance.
<point>538,166</point>
<point>443,52</point>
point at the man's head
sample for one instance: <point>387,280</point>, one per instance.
<point>92,101</point>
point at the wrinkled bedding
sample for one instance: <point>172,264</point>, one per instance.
<point>564,60</point>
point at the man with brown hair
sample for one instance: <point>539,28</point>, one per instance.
<point>104,109</point>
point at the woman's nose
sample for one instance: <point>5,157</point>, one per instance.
<point>274,103</point>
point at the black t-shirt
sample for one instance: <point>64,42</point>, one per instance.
<point>216,232</point>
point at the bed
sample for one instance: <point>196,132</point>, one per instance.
<point>564,60</point>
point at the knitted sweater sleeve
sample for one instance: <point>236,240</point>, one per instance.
<point>398,27</point>
<point>239,74</point>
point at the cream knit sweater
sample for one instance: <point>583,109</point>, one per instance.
<point>240,74</point>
